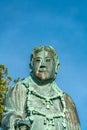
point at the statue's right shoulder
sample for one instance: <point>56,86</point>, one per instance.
<point>19,86</point>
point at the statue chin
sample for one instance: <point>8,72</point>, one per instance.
<point>42,80</point>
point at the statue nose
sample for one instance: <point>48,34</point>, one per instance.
<point>42,66</point>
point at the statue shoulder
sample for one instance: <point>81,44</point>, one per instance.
<point>19,87</point>
<point>69,100</point>
<point>72,115</point>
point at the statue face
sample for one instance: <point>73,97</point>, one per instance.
<point>43,66</point>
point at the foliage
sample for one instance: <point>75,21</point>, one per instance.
<point>4,82</point>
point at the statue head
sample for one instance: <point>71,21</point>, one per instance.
<point>44,63</point>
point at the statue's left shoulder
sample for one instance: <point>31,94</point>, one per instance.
<point>69,101</point>
<point>71,112</point>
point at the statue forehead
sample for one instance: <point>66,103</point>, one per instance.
<point>43,51</point>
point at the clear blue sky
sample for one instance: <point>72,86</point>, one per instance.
<point>25,24</point>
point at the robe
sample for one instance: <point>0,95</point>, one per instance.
<point>46,107</point>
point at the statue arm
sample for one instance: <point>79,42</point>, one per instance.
<point>14,106</point>
<point>71,114</point>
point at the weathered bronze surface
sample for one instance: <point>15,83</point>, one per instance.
<point>37,103</point>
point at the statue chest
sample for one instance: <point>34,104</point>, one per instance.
<point>44,110</point>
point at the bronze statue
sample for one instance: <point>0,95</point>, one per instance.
<point>37,103</point>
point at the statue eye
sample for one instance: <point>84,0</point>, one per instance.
<point>37,60</point>
<point>48,60</point>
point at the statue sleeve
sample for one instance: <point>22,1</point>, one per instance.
<point>14,106</point>
<point>71,114</point>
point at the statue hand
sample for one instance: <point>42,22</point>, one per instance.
<point>19,123</point>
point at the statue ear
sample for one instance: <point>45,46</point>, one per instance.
<point>57,66</point>
<point>31,65</point>
<point>31,62</point>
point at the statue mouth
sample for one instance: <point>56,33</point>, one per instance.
<point>43,70</point>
